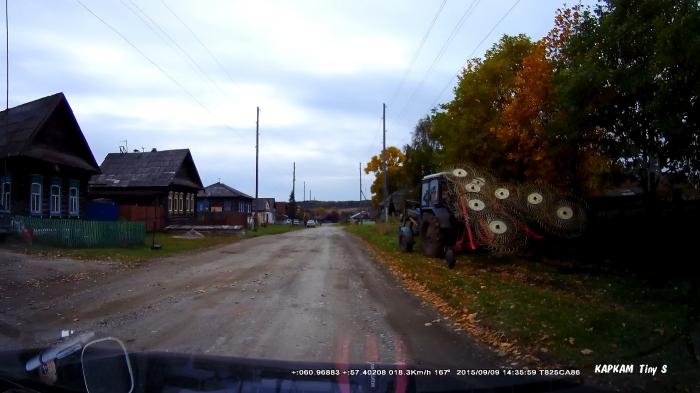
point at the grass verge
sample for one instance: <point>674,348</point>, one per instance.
<point>169,246</point>
<point>549,313</point>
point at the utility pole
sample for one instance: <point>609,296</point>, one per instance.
<point>386,184</point>
<point>294,178</point>
<point>304,197</point>
<point>257,147</point>
<point>360,182</point>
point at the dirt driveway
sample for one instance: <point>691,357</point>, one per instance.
<point>314,294</point>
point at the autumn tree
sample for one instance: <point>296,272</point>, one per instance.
<point>522,128</point>
<point>396,178</point>
<point>464,126</point>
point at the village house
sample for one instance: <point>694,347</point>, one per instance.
<point>264,208</point>
<point>45,161</point>
<point>220,198</point>
<point>166,179</point>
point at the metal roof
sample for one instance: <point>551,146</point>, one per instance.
<point>221,190</point>
<point>148,169</point>
<point>434,175</point>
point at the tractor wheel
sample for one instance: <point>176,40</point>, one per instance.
<point>431,236</point>
<point>450,258</point>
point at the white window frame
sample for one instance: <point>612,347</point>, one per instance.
<point>55,201</point>
<point>170,202</point>
<point>179,203</point>
<point>192,204</point>
<point>35,199</point>
<point>6,200</point>
<point>73,202</point>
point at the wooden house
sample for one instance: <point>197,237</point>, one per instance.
<point>166,179</point>
<point>221,198</point>
<point>45,161</point>
<point>264,208</point>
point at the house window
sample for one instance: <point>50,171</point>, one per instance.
<point>170,202</point>
<point>179,202</point>
<point>6,196</point>
<point>35,198</point>
<point>73,205</point>
<point>55,202</point>
<point>192,203</point>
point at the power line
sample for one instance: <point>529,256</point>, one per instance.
<point>172,43</point>
<point>418,50</point>
<point>211,54</point>
<point>474,51</point>
<point>442,51</point>
<point>159,68</point>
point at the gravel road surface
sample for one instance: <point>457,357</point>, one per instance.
<point>313,295</point>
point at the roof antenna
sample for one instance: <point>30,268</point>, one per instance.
<point>125,147</point>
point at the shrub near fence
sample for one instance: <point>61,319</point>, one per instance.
<point>82,234</point>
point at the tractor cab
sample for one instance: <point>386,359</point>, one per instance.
<point>433,192</point>
<point>432,221</point>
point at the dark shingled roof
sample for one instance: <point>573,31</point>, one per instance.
<point>148,169</point>
<point>221,190</point>
<point>259,204</point>
<point>19,126</point>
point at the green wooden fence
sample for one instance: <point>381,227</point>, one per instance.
<point>82,234</point>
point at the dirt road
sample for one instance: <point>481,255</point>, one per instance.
<point>313,294</point>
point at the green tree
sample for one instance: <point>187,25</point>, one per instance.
<point>628,79</point>
<point>292,207</point>
<point>421,156</point>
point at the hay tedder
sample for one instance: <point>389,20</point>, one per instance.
<point>466,208</point>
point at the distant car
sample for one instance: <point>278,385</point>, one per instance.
<point>311,224</point>
<point>5,223</point>
<point>297,222</point>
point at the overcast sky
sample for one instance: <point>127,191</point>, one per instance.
<point>319,70</point>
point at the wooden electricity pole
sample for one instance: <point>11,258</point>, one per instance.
<point>257,143</point>
<point>386,184</point>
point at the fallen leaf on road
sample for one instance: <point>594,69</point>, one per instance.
<point>428,324</point>
<point>586,352</point>
<point>75,319</point>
